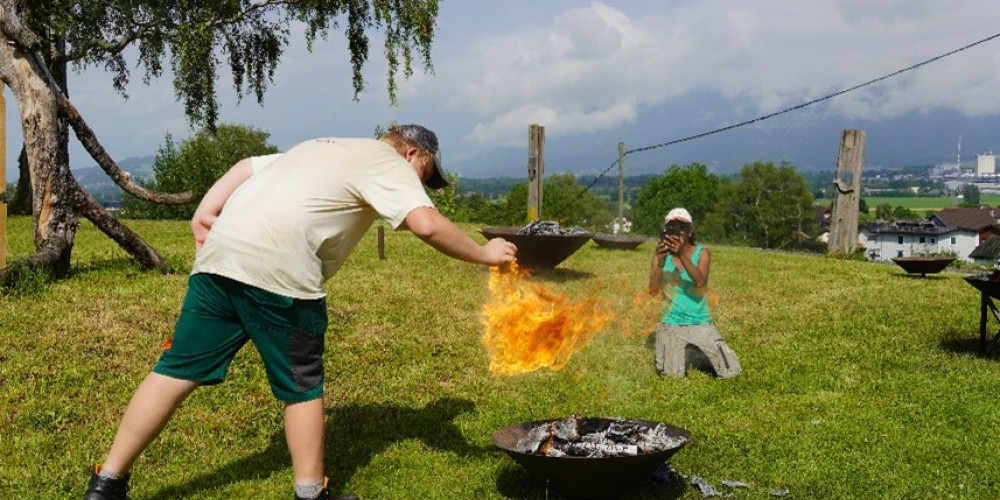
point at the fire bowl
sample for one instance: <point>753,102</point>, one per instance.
<point>619,241</point>
<point>988,283</point>
<point>923,265</point>
<point>584,477</point>
<point>539,251</point>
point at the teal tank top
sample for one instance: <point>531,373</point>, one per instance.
<point>682,303</point>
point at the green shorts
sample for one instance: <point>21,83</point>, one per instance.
<point>220,315</point>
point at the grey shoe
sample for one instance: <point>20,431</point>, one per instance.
<point>102,488</point>
<point>324,494</point>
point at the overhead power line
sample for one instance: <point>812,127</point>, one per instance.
<point>814,101</point>
<point>793,108</point>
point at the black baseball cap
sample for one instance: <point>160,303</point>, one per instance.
<point>427,141</point>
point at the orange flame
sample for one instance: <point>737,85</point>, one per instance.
<point>528,327</point>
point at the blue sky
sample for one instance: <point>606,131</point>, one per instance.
<point>640,72</point>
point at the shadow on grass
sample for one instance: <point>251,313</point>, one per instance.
<point>560,275</point>
<point>929,277</point>
<point>354,435</point>
<point>516,483</point>
<point>970,346</point>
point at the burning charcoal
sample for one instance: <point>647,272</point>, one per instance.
<point>567,429</point>
<point>534,439</point>
<point>606,449</point>
<point>706,489</point>
<point>622,431</point>
<point>733,484</point>
<point>779,493</point>
<point>595,437</point>
<point>619,438</point>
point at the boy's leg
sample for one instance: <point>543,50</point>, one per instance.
<point>147,413</point>
<point>304,433</point>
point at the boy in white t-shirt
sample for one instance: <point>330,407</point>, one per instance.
<point>268,234</point>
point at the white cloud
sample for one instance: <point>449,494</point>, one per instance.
<point>596,67</point>
<point>581,68</point>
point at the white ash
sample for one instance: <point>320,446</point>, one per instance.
<point>704,487</point>
<point>618,438</point>
<point>549,227</point>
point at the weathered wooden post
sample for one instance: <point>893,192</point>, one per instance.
<point>620,226</point>
<point>846,194</point>
<point>536,170</point>
<point>3,177</point>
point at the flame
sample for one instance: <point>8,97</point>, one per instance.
<point>529,327</point>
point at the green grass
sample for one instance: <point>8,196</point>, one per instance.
<point>859,381</point>
<point>922,204</point>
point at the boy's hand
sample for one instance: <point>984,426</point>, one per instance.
<point>200,226</point>
<point>500,251</point>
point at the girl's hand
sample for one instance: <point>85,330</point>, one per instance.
<point>662,249</point>
<point>672,243</point>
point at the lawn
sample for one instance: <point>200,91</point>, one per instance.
<point>859,381</point>
<point>924,205</point>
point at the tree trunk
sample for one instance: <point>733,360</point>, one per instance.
<point>56,197</point>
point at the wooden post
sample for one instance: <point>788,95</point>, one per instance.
<point>620,227</point>
<point>846,194</point>
<point>536,170</point>
<point>3,175</point>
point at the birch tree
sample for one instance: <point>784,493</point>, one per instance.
<point>40,40</point>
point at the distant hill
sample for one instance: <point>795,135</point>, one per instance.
<point>96,182</point>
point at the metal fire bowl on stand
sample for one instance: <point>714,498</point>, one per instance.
<point>923,265</point>
<point>587,478</point>
<point>619,241</point>
<point>539,251</point>
<point>988,283</point>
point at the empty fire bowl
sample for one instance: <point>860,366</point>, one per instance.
<point>539,251</point>
<point>619,241</point>
<point>584,477</point>
<point>923,265</point>
<point>988,283</point>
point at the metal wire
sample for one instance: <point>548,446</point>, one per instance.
<point>787,110</point>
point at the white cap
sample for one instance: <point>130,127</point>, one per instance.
<point>678,214</point>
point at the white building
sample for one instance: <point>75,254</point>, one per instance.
<point>908,238</point>
<point>986,165</point>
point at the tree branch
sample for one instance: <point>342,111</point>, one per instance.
<point>144,29</point>
<point>146,255</point>
<point>14,29</point>
<point>96,150</point>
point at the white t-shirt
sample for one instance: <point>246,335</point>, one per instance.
<point>291,225</point>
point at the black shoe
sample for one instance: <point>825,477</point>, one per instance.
<point>102,488</point>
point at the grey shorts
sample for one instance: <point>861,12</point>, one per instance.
<point>678,347</point>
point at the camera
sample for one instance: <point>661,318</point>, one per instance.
<point>672,228</point>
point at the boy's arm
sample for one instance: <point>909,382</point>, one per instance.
<point>213,201</point>
<point>439,232</point>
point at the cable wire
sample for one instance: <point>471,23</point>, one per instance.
<point>788,110</point>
